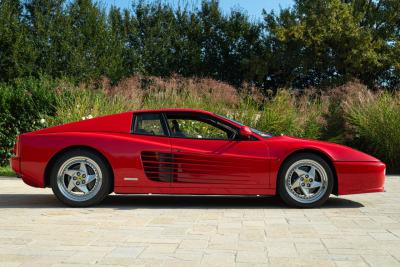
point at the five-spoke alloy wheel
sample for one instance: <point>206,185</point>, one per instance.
<point>80,178</point>
<point>305,180</point>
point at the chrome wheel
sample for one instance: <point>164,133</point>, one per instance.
<point>79,178</point>
<point>306,181</point>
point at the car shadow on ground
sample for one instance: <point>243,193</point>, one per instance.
<point>128,202</point>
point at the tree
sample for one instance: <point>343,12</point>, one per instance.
<point>328,42</point>
<point>318,43</point>
<point>17,51</point>
<point>50,33</point>
<point>117,39</point>
<point>89,42</point>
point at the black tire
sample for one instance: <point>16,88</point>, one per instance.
<point>283,191</point>
<point>104,188</point>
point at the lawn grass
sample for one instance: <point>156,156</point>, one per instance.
<point>6,171</point>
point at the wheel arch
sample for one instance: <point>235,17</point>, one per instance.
<point>70,148</point>
<point>319,153</point>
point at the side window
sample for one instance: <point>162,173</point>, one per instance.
<point>148,124</point>
<point>198,126</point>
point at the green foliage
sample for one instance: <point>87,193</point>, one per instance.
<point>319,43</point>
<point>17,51</point>
<point>329,42</point>
<point>22,105</point>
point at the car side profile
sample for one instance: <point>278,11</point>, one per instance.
<point>186,151</point>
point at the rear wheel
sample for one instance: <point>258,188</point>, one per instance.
<point>80,178</point>
<point>305,180</point>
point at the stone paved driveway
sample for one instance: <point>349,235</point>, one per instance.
<point>359,230</point>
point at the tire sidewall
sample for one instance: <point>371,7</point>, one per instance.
<point>281,181</point>
<point>105,187</point>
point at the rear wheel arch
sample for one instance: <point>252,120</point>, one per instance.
<point>316,152</point>
<point>71,148</point>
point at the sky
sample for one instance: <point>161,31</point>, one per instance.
<point>252,7</point>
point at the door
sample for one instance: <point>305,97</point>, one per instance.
<point>151,145</point>
<point>208,157</point>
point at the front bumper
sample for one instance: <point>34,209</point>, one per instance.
<point>360,177</point>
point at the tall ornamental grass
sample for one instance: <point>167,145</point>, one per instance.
<point>288,114</point>
<point>374,122</point>
<point>80,104</point>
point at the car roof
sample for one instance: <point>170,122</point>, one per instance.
<point>188,110</point>
<point>173,110</point>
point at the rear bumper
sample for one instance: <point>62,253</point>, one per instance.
<point>15,164</point>
<point>360,177</point>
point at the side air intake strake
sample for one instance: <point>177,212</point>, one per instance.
<point>194,168</point>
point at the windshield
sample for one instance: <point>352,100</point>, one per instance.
<point>258,132</point>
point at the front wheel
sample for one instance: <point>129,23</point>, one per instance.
<point>305,180</point>
<point>80,178</point>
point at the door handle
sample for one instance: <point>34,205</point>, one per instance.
<point>178,150</point>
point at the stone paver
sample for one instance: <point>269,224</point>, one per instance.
<point>356,230</point>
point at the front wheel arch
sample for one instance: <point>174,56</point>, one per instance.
<point>318,153</point>
<point>70,148</point>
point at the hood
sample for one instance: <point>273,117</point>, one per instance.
<point>335,151</point>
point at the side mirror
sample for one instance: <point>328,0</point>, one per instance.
<point>245,131</point>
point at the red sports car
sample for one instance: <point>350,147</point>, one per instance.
<point>186,151</point>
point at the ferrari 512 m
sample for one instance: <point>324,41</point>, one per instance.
<point>185,151</point>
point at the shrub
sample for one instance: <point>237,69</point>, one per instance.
<point>22,104</point>
<point>374,122</point>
